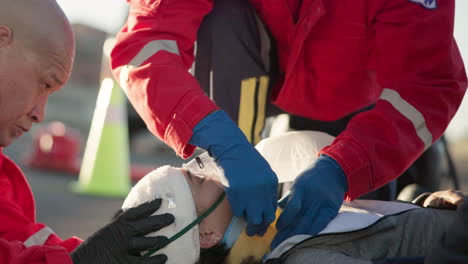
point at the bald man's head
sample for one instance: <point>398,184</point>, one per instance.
<point>37,48</point>
<point>39,25</point>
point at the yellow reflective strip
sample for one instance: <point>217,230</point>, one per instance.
<point>410,112</point>
<point>246,106</point>
<point>261,105</point>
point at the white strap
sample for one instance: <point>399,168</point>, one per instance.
<point>410,112</point>
<point>39,238</point>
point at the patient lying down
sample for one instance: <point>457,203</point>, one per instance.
<point>363,231</point>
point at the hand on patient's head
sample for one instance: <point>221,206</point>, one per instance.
<point>448,199</point>
<point>171,186</point>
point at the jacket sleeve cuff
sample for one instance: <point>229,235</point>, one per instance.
<point>196,105</point>
<point>69,244</point>
<point>355,164</point>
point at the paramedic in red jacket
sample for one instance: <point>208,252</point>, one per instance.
<point>36,56</point>
<point>388,72</point>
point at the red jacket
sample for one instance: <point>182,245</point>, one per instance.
<point>341,56</point>
<point>22,239</point>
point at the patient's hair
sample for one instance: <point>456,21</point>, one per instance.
<point>214,254</point>
<point>217,255</point>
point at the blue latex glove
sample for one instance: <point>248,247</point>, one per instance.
<point>316,196</point>
<point>253,185</point>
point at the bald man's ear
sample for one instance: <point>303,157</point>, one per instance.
<point>6,36</point>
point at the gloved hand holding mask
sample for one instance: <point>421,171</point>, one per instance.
<point>121,241</point>
<point>251,183</point>
<point>316,196</point>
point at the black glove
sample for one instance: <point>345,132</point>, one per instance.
<point>123,239</point>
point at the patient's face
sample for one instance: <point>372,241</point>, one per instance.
<point>205,192</point>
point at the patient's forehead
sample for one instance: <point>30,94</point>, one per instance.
<point>205,190</point>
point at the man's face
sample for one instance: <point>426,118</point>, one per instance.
<point>27,78</point>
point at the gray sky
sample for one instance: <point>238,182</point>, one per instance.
<point>109,15</point>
